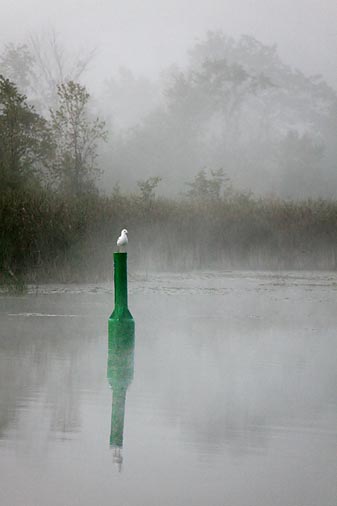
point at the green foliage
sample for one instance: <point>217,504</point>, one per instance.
<point>25,139</point>
<point>76,137</point>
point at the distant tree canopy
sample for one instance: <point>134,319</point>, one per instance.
<point>216,87</point>
<point>236,105</point>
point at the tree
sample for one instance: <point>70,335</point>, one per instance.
<point>147,189</point>
<point>213,188</point>
<point>232,106</point>
<point>54,65</point>
<point>40,64</point>
<point>25,139</point>
<point>16,64</point>
<point>76,138</point>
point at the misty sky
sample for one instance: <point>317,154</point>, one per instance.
<point>149,35</point>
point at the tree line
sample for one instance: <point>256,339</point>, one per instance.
<point>234,105</point>
<point>235,114</point>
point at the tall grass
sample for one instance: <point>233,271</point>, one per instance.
<point>48,237</point>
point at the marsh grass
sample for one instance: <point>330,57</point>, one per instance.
<point>48,237</point>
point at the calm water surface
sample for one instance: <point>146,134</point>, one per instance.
<point>228,398</point>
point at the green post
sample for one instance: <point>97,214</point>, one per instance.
<point>120,375</point>
<point>121,325</point>
<point>121,332</point>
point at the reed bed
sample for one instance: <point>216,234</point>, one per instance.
<point>46,237</point>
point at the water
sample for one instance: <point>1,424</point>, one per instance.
<point>229,397</point>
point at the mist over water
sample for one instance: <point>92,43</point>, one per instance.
<point>229,393</point>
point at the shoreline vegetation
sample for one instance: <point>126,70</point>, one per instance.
<point>48,237</point>
<point>235,110</point>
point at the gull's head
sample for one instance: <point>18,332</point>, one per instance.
<point>124,231</point>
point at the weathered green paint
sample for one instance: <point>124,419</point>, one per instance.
<point>121,325</point>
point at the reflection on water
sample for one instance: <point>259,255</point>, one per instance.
<point>234,400</point>
<point>120,376</point>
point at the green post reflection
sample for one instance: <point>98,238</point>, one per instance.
<point>120,376</point>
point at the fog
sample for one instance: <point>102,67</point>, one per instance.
<point>147,36</point>
<point>271,127</point>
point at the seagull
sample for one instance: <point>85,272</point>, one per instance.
<point>122,239</point>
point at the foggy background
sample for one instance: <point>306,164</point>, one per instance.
<point>281,139</point>
<point>148,36</point>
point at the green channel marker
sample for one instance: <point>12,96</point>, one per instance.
<point>121,325</point>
